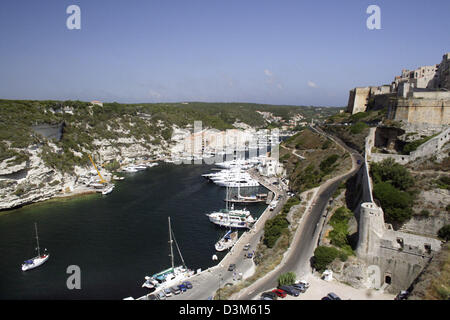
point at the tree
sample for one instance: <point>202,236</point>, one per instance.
<point>395,203</point>
<point>390,171</point>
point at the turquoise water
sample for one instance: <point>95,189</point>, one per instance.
<point>116,239</point>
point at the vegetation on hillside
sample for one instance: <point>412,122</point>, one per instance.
<point>393,189</point>
<point>322,159</point>
<point>147,123</point>
<point>324,255</point>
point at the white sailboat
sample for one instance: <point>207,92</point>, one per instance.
<point>171,276</point>
<point>39,259</point>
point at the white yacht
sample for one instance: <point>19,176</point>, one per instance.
<point>172,275</point>
<point>108,189</point>
<point>38,260</point>
<point>238,183</point>
<point>232,218</point>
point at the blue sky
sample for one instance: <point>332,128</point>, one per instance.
<point>278,52</point>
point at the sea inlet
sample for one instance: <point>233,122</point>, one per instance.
<point>115,239</point>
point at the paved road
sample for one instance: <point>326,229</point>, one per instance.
<point>305,241</point>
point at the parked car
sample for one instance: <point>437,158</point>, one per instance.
<point>247,246</point>
<point>182,287</point>
<point>300,287</point>
<point>280,293</point>
<point>333,296</point>
<point>167,292</point>
<point>290,290</point>
<point>326,298</point>
<point>304,283</point>
<point>152,297</point>
<point>161,295</point>
<point>249,255</point>
<point>269,294</point>
<point>175,290</point>
<point>403,295</point>
<point>188,285</point>
<point>232,267</point>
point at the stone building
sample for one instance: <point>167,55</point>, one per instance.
<point>420,96</point>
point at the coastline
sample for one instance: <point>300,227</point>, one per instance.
<point>57,197</point>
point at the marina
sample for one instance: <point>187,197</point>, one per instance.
<point>117,239</point>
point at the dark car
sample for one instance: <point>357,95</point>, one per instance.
<point>232,267</point>
<point>188,285</point>
<point>182,287</point>
<point>326,298</point>
<point>333,296</point>
<point>249,255</point>
<point>403,295</point>
<point>269,294</point>
<point>280,293</point>
<point>152,297</point>
<point>290,290</point>
<point>300,287</point>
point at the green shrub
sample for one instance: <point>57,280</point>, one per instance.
<point>396,204</point>
<point>358,127</point>
<point>274,228</point>
<point>286,279</point>
<point>323,256</point>
<point>412,146</point>
<point>390,171</point>
<point>326,166</point>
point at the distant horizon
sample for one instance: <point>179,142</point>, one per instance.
<point>178,102</point>
<point>281,53</point>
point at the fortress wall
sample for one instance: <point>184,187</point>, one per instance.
<point>426,149</point>
<point>399,257</point>
<point>418,110</point>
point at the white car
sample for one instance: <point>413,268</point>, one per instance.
<point>303,282</point>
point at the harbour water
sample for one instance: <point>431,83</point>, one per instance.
<point>115,240</point>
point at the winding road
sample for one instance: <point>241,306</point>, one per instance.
<point>298,257</point>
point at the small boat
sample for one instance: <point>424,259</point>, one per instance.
<point>108,189</point>
<point>39,259</point>
<point>227,241</point>
<point>118,178</point>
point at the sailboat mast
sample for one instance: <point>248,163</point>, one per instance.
<point>37,239</point>
<point>170,241</point>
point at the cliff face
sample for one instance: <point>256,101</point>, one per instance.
<point>28,182</point>
<point>434,282</point>
<point>45,145</point>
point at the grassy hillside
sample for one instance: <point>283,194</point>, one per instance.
<point>323,159</point>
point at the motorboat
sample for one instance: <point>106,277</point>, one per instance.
<point>227,241</point>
